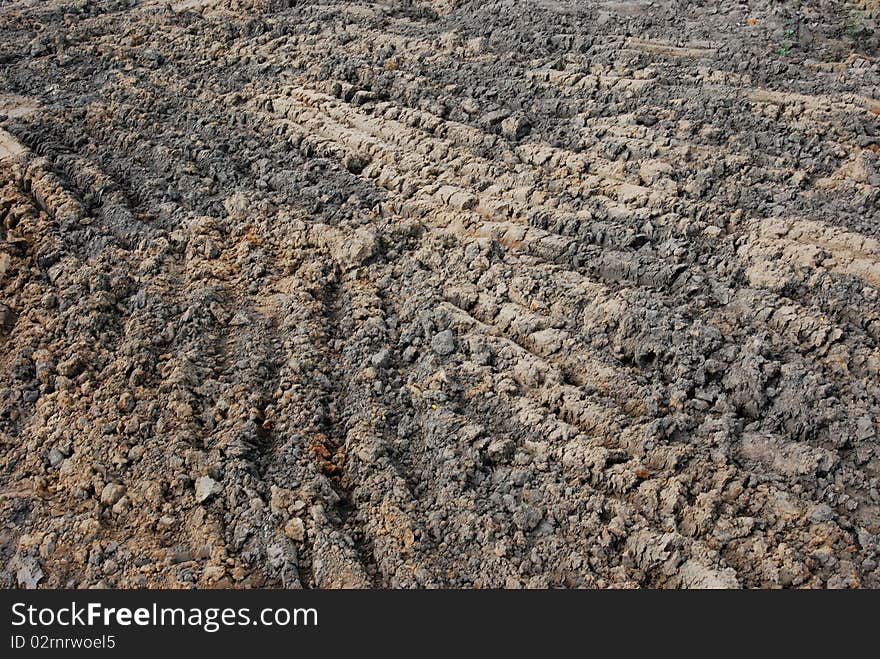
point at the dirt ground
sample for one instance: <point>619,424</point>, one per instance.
<point>439,294</point>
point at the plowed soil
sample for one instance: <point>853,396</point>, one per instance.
<point>448,294</point>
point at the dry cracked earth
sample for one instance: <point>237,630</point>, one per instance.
<point>449,294</point>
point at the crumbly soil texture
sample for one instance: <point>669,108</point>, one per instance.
<point>439,294</point>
